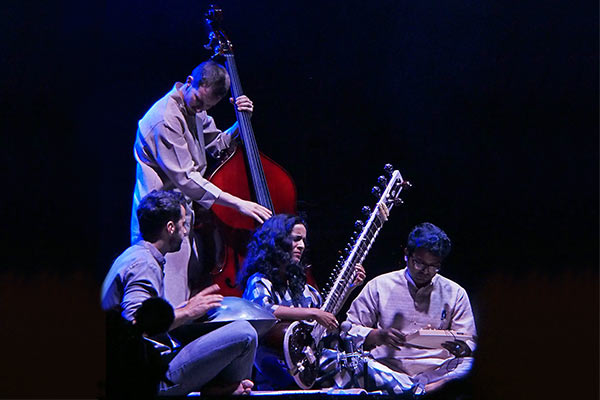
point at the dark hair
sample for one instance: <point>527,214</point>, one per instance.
<point>269,250</point>
<point>134,368</point>
<point>212,75</point>
<point>156,209</point>
<point>154,316</point>
<point>429,237</point>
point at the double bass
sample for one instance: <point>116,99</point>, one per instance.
<point>247,174</point>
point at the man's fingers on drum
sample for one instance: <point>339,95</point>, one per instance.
<point>214,304</point>
<point>214,298</point>
<point>211,289</point>
<point>206,298</point>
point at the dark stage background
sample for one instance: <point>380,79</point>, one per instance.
<point>490,109</point>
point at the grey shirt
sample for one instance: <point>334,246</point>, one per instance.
<point>136,275</point>
<point>170,150</point>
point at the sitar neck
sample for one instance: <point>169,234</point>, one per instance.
<point>344,274</point>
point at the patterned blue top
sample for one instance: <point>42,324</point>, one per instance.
<point>260,290</point>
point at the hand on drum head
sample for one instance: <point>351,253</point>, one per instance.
<point>205,300</point>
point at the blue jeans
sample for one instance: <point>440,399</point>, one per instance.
<point>226,353</point>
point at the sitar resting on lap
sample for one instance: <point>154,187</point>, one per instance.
<point>302,340</point>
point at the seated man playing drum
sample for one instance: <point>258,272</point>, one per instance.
<point>399,303</point>
<point>219,362</point>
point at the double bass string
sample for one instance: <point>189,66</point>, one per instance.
<point>256,170</point>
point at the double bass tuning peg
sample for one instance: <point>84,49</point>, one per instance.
<point>388,168</point>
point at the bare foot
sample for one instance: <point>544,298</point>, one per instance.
<point>430,387</point>
<point>245,387</point>
<point>236,388</point>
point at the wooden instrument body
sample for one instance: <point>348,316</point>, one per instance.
<point>224,231</point>
<point>273,339</point>
<point>232,177</point>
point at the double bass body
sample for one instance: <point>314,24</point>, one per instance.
<point>232,229</point>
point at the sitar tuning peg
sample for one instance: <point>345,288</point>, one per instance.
<point>388,168</point>
<point>359,224</point>
<point>366,210</point>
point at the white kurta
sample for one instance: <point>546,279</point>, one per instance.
<point>393,301</point>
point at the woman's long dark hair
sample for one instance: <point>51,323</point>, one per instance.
<point>269,251</point>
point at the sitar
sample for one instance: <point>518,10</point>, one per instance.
<point>302,341</point>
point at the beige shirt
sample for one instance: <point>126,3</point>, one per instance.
<point>170,150</point>
<point>393,301</point>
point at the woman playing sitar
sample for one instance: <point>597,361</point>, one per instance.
<point>274,276</point>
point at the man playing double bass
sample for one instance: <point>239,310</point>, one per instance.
<point>171,147</point>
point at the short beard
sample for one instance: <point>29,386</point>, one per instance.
<point>176,246</point>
